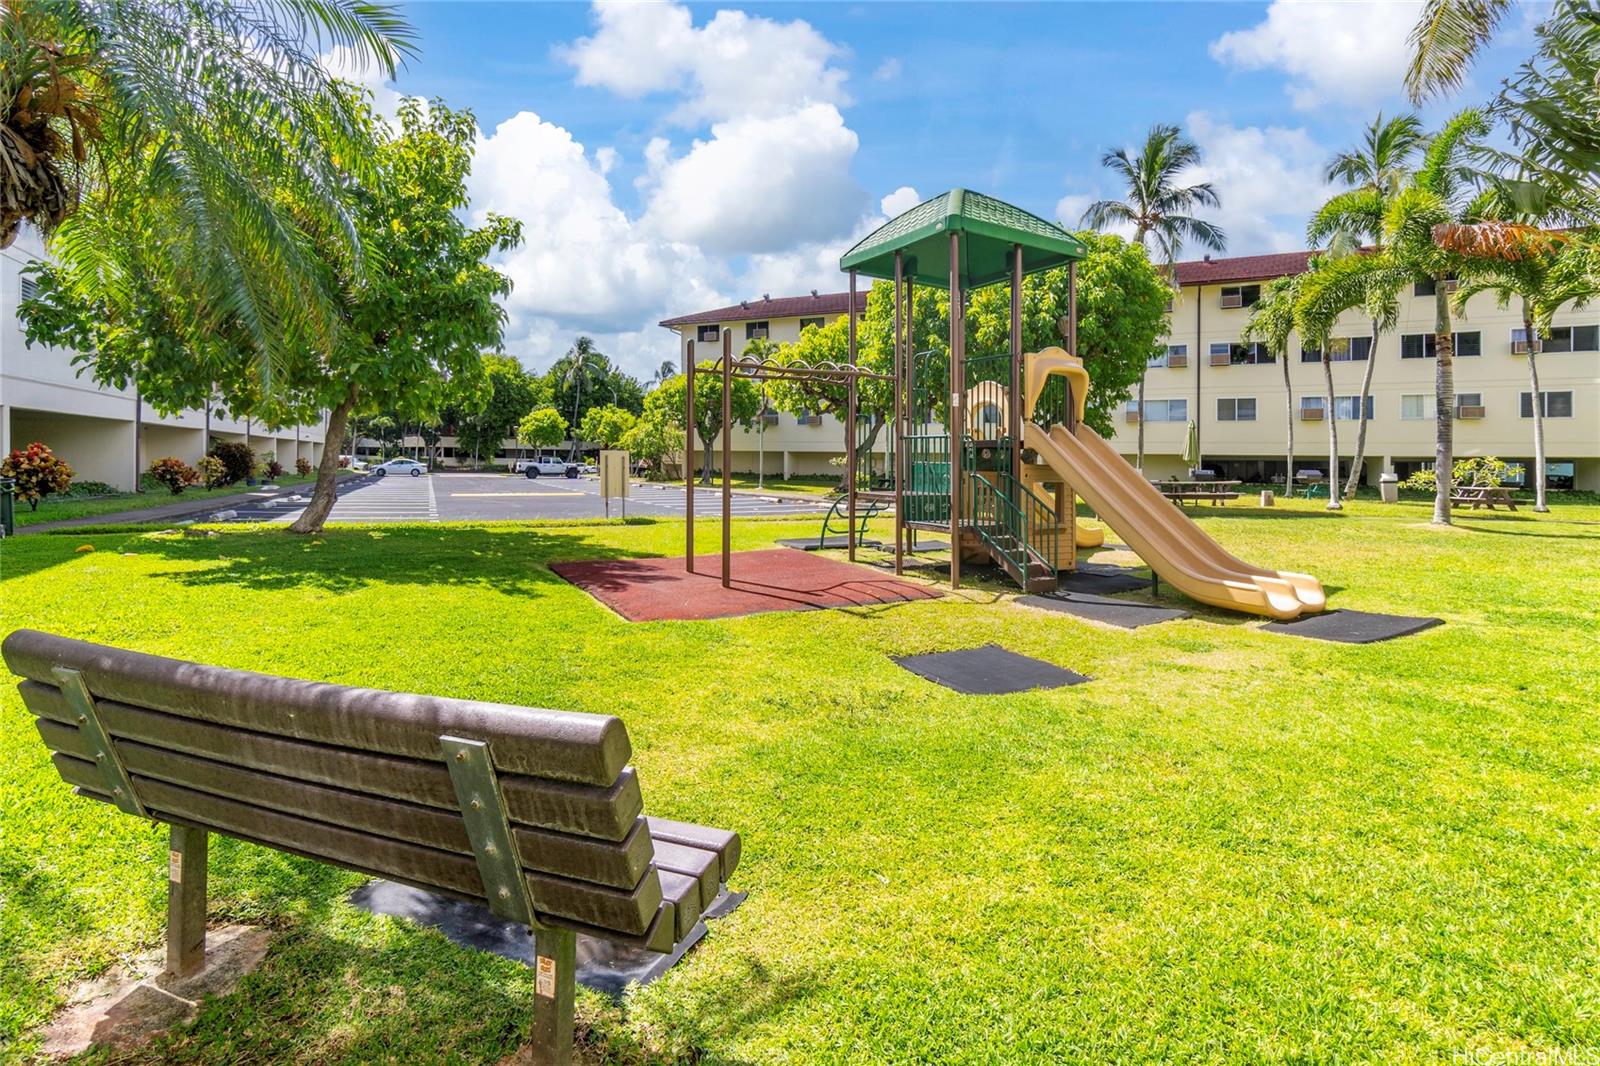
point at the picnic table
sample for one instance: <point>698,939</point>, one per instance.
<point>1481,497</point>
<point>1180,492</point>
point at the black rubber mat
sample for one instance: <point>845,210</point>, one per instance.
<point>603,965</point>
<point>1128,614</point>
<point>1100,579</point>
<point>810,544</point>
<point>988,671</point>
<point>1353,627</point>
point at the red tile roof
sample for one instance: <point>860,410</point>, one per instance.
<point>767,307</point>
<point>1209,271</point>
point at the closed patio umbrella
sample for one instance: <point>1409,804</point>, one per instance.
<point>1191,445</point>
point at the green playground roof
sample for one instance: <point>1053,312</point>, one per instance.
<point>988,227</point>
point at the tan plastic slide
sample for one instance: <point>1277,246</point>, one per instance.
<point>1162,535</point>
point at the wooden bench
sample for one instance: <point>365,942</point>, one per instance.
<point>1482,496</point>
<point>1181,491</point>
<point>535,813</point>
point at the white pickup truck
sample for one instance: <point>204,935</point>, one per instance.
<point>546,465</point>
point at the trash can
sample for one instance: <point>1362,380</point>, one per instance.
<point>1266,498</point>
<point>1389,488</point>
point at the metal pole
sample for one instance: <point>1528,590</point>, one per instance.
<point>1018,392</point>
<point>905,409</point>
<point>850,468</point>
<point>555,975</point>
<point>899,370</point>
<point>186,900</point>
<point>1072,309</point>
<point>958,381</point>
<point>727,454</point>
<point>688,463</point>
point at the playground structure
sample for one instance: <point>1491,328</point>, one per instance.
<point>998,476</point>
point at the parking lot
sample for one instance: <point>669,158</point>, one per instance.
<point>446,497</point>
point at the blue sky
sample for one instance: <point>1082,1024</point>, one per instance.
<point>667,157</point>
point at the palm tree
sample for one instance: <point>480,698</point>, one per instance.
<point>1158,206</point>
<point>1512,256</point>
<point>1435,195</point>
<point>1376,169</point>
<point>584,361</point>
<point>663,372</point>
<point>1271,321</point>
<point>1447,37</point>
<point>216,119</point>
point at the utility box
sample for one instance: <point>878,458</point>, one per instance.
<point>1389,488</point>
<point>614,478</point>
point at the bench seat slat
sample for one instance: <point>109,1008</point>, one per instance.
<point>625,911</point>
<point>607,813</point>
<point>683,893</point>
<point>691,862</point>
<point>617,864</point>
<point>722,841</point>
<point>587,748</point>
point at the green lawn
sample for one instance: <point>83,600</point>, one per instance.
<point>1229,846</point>
<point>56,508</point>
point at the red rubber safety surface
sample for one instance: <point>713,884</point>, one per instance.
<point>774,579</point>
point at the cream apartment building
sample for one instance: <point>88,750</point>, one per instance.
<point>781,443</point>
<point>1235,393</point>
<point>105,434</point>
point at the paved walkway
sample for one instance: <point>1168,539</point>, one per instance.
<point>179,508</point>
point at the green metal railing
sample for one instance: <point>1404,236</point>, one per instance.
<point>1018,527</point>
<point>928,471</point>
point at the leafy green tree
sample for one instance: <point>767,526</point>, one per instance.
<point>573,378</point>
<point>1122,309</point>
<point>665,406</point>
<point>1551,109</point>
<point>211,123</point>
<point>385,429</point>
<point>1377,168</point>
<point>657,441</point>
<point>409,337</point>
<point>606,426</point>
<point>509,396</point>
<point>1159,207</point>
<point>542,427</point>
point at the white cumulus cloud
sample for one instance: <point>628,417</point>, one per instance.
<point>900,201</point>
<point>1333,52</point>
<point>1268,177</point>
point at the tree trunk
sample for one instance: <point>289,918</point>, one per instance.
<point>1138,461</point>
<point>1444,397</point>
<point>1361,427</point>
<point>326,492</point>
<point>1332,415</point>
<point>705,463</point>
<point>1288,394</point>
<point>1540,503</point>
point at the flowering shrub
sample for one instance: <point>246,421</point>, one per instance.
<point>1472,470</point>
<point>302,466</point>
<point>174,473</point>
<point>211,471</point>
<point>238,460</point>
<point>274,469</point>
<point>38,472</point>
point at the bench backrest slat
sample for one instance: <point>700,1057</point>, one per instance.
<point>588,748</point>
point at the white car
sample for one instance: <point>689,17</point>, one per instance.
<point>549,467</point>
<point>400,466</point>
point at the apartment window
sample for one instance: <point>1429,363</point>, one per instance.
<point>708,334</point>
<point>28,288</point>
<point>1563,339</point>
<point>752,330</point>
<point>1157,358</point>
<point>1418,407</point>
<point>1160,410</point>
<point>1428,288</point>
<point>1469,405</point>
<point>807,418</point>
<point>804,322</point>
<point>1424,346</point>
<point>1345,408</point>
<point>1177,355</point>
<point>1240,354</point>
<point>1311,408</point>
<point>1240,295</point>
<point>1340,350</point>
<point>1236,409</point>
<point>1555,404</point>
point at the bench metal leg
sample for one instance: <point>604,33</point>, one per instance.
<point>186,900</point>
<point>555,973</point>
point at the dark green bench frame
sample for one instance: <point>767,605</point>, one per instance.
<point>534,813</point>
